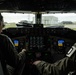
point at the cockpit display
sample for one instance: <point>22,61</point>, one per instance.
<point>36,42</point>
<point>16,42</point>
<point>60,43</point>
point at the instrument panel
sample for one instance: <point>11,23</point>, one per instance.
<point>49,44</point>
<point>38,43</point>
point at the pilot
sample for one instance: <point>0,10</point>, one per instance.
<point>8,52</point>
<point>65,66</point>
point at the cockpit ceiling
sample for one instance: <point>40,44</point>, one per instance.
<point>38,5</point>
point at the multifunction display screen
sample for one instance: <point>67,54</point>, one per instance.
<point>16,42</point>
<point>36,42</point>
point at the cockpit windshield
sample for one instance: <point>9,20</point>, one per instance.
<point>60,20</point>
<point>13,19</point>
<point>52,20</point>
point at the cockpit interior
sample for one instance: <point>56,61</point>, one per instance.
<point>48,35</point>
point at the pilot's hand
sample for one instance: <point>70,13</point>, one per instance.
<point>36,62</point>
<point>23,50</point>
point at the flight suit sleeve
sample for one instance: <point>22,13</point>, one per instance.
<point>61,67</point>
<point>9,51</point>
